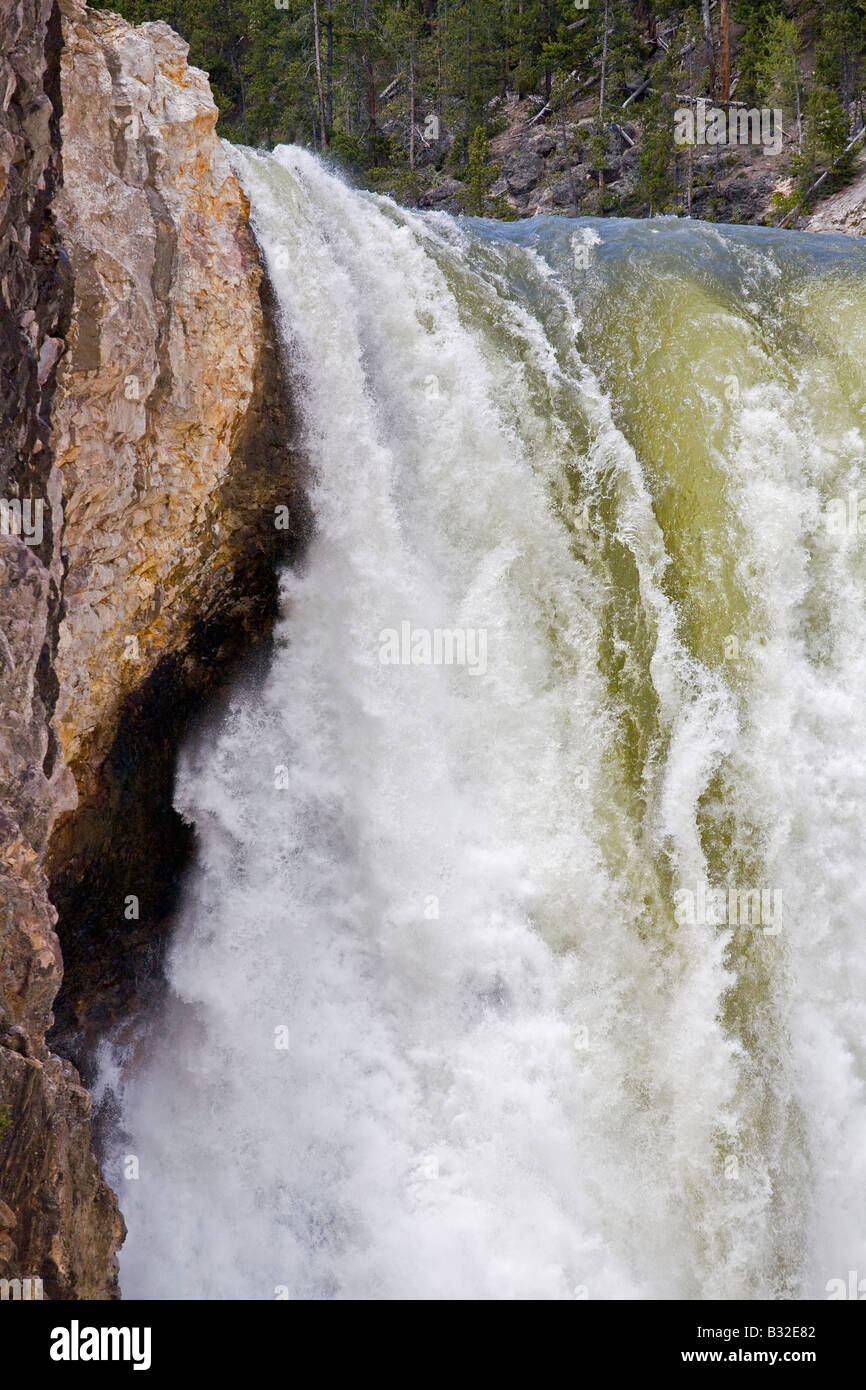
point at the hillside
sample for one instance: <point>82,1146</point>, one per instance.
<point>577,107</point>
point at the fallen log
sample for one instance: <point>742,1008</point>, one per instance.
<point>817,184</point>
<point>637,92</point>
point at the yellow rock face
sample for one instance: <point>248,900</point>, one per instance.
<point>156,386</point>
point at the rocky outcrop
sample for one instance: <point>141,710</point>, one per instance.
<point>171,429</point>
<point>844,211</point>
<point>143,407</point>
<point>57,1217</point>
<point>156,392</point>
<point>522,170</point>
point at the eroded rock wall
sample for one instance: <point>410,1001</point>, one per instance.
<point>58,1219</point>
<point>170,429</point>
<point>844,211</point>
<point>164,363</point>
<point>143,405</point>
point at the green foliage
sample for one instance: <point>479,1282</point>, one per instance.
<point>660,157</point>
<point>479,176</point>
<point>839,50</point>
<point>5,1121</point>
<point>756,17</point>
<point>386,67</point>
<point>777,68</point>
<point>656,166</point>
<point>826,137</point>
<point>348,150</point>
<point>782,204</point>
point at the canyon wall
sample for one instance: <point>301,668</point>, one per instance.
<point>58,1220</point>
<point>163,365</point>
<point>144,421</point>
<point>845,211</point>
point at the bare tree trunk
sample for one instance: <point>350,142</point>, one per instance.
<point>603,63</point>
<point>411,110</point>
<point>323,127</point>
<point>329,90</point>
<point>725,54</point>
<point>711,53</point>
<point>371,90</point>
<point>690,180</point>
<point>441,54</point>
<point>690,172</point>
<point>439,64</point>
<point>236,69</point>
<point>565,150</point>
<point>601,93</point>
<point>371,113</point>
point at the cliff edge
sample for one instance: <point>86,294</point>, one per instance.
<point>143,469</point>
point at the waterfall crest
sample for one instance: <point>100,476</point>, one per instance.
<point>535,970</point>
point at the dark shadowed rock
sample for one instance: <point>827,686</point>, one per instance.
<point>442,196</point>
<point>522,170</point>
<point>543,145</point>
<point>565,189</point>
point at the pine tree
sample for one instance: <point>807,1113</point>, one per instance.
<point>480,174</point>
<point>356,77</point>
<point>755,17</point>
<point>838,52</point>
<point>777,69</point>
<point>656,185</point>
<point>826,138</point>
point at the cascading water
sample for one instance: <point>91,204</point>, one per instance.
<point>537,970</point>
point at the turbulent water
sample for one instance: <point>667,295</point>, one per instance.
<point>538,972</point>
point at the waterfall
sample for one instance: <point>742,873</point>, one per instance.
<point>522,955</point>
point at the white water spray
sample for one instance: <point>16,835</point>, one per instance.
<point>433,1027</point>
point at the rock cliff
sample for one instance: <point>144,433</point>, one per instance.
<point>165,355</point>
<point>144,457</point>
<point>57,1217</point>
<point>844,211</point>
